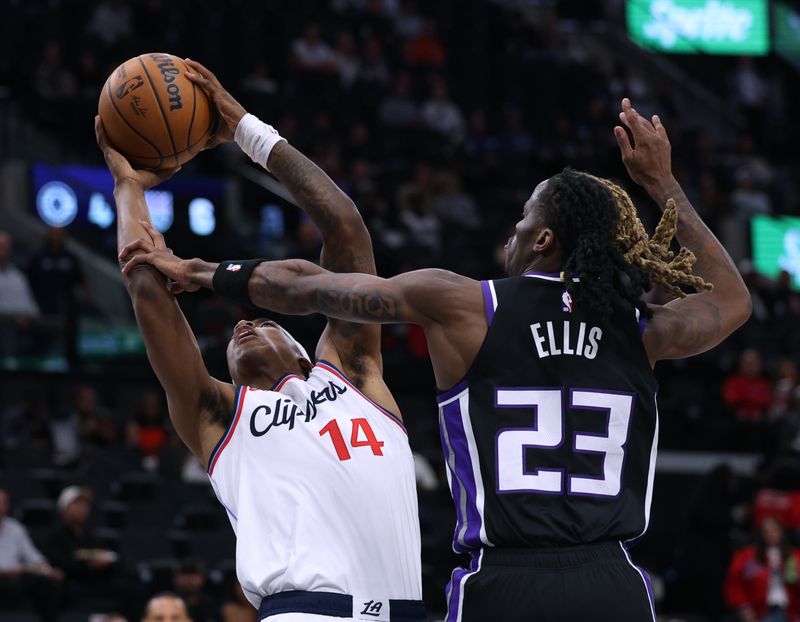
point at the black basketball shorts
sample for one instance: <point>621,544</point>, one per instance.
<point>597,583</point>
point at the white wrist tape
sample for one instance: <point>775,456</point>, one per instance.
<point>256,138</point>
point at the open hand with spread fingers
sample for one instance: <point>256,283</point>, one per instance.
<point>648,157</point>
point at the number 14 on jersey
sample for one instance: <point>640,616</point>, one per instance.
<point>359,427</point>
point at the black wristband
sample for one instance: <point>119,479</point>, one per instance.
<point>231,278</point>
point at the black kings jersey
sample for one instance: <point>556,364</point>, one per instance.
<point>550,439</point>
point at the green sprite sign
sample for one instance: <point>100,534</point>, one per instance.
<point>776,246</point>
<point>739,27</point>
<point>786,33</point>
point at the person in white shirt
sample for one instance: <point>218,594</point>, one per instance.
<point>18,308</point>
<point>26,579</point>
<point>310,461</point>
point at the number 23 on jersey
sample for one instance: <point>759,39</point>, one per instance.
<point>547,433</point>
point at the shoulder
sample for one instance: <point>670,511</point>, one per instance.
<point>13,525</point>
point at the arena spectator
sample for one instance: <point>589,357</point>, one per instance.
<point>166,607</point>
<point>347,60</point>
<point>408,23</point>
<point>310,53</point>
<point>399,110</point>
<point>27,580</point>
<point>747,392</point>
<point>453,205</point>
<point>56,275</point>
<point>189,583</point>
<point>149,425</point>
<point>82,428</point>
<point>111,22</point>
<point>785,387</point>
<point>441,114</point>
<point>56,278</point>
<point>26,426</point>
<point>18,309</point>
<point>763,580</point>
<point>425,49</point>
<point>237,608</point>
<point>54,81</point>
<point>73,547</point>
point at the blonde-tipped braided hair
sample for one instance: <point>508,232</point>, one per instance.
<point>652,254</point>
<point>605,248</point>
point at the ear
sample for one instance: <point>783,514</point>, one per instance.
<point>545,242</point>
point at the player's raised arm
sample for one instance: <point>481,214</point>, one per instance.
<point>699,321</point>
<point>198,404</point>
<point>347,246</point>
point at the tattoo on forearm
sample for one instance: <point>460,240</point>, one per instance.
<point>372,306</point>
<point>313,189</point>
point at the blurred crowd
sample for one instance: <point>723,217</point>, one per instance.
<point>438,119</point>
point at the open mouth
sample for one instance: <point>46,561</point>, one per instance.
<point>243,333</point>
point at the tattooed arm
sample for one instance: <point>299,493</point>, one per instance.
<point>448,306</point>
<point>347,246</point>
<point>698,322</point>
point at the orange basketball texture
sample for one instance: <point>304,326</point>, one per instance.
<point>153,114</point>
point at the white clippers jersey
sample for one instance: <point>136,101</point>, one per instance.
<point>318,482</point>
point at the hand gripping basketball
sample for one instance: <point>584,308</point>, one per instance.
<point>229,111</point>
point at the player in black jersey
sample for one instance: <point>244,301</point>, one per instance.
<point>548,401</point>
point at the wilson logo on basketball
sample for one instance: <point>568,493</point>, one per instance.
<point>128,86</point>
<point>169,72</point>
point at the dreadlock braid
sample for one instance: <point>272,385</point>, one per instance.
<point>653,254</point>
<point>605,244</point>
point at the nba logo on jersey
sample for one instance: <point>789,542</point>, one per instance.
<point>566,302</point>
<point>365,608</point>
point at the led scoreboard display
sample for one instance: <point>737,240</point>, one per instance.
<point>80,198</point>
<point>738,27</point>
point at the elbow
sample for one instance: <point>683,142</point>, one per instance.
<point>739,309</point>
<point>144,283</point>
<point>745,306</point>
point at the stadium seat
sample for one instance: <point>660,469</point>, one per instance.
<point>36,513</point>
<point>135,487</point>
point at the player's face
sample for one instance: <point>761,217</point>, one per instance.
<point>519,248</point>
<point>257,346</point>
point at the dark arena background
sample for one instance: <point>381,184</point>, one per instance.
<point>438,119</point>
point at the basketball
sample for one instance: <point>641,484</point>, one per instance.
<point>153,114</point>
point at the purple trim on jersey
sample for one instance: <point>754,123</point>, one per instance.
<point>461,474</point>
<point>453,589</point>
<point>550,274</point>
<point>454,484</point>
<point>647,584</point>
<point>642,325</point>
<point>488,301</point>
<point>446,395</point>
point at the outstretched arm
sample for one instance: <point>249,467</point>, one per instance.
<point>698,322</point>
<point>347,246</point>
<point>198,404</point>
<point>448,306</point>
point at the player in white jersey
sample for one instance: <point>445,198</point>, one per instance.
<point>311,464</point>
